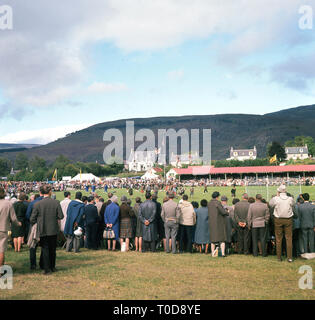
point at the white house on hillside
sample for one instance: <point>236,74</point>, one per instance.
<point>141,160</point>
<point>296,153</point>
<point>243,154</point>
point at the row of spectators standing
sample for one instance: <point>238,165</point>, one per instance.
<point>243,226</point>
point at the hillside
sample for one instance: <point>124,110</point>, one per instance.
<point>237,130</point>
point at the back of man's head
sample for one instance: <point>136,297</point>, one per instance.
<point>171,196</point>
<point>259,197</point>
<point>41,190</point>
<point>45,189</point>
<point>215,194</point>
<point>185,197</point>
<point>245,196</point>
<point>148,195</point>
<point>78,195</point>
<point>306,196</point>
<point>90,199</point>
<point>66,194</point>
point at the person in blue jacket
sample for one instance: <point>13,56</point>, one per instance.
<point>111,218</point>
<point>93,187</point>
<point>74,219</point>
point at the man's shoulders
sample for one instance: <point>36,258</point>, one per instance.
<point>5,203</point>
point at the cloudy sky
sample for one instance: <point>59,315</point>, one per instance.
<point>66,65</point>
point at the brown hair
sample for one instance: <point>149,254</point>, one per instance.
<point>2,193</point>
<point>22,196</point>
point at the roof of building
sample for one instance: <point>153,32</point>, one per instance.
<point>206,170</point>
<point>243,152</point>
<point>296,150</point>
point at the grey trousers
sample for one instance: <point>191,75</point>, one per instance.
<point>171,229</point>
<point>308,239</point>
<point>73,242</point>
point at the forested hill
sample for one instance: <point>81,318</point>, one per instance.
<point>237,130</point>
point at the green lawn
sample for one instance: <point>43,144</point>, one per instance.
<point>198,195</point>
<point>131,275</point>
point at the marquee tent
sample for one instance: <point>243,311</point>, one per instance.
<point>85,177</point>
<point>149,175</point>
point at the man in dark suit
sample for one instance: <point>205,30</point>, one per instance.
<point>241,214</point>
<point>306,212</point>
<point>91,219</point>
<point>46,214</point>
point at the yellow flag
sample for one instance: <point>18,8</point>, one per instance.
<point>54,175</point>
<point>273,159</point>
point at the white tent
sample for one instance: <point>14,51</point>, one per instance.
<point>149,175</point>
<point>85,177</point>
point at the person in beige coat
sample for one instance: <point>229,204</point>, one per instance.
<point>7,216</point>
<point>187,219</point>
<point>258,218</point>
<point>170,216</point>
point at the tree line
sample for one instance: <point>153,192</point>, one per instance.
<point>37,169</point>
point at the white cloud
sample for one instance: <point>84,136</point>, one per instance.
<point>101,87</point>
<point>176,74</point>
<point>43,59</point>
<point>41,136</point>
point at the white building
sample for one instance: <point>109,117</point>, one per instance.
<point>141,160</point>
<point>295,153</point>
<point>243,154</point>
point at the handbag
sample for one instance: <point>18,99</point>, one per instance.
<point>109,233</point>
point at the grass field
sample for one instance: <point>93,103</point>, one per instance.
<point>154,276</point>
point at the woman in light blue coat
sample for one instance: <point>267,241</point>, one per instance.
<point>202,235</point>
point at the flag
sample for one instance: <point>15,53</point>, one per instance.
<point>54,175</point>
<point>273,159</point>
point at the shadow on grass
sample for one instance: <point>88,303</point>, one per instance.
<point>65,261</point>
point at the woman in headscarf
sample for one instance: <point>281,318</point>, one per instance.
<point>111,218</point>
<point>125,222</point>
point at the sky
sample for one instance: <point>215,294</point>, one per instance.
<point>67,65</point>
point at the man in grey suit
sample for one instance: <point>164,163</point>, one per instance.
<point>7,216</point>
<point>258,218</point>
<point>306,212</point>
<point>46,214</point>
<point>170,215</point>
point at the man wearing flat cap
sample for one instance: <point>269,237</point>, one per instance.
<point>284,207</point>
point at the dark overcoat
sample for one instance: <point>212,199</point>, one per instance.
<point>217,221</point>
<point>147,211</point>
<point>46,214</point>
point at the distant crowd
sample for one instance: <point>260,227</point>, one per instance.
<point>283,226</point>
<point>15,187</point>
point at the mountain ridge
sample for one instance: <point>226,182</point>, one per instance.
<point>228,130</point>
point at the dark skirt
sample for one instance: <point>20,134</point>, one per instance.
<point>139,228</point>
<point>125,228</point>
<point>18,231</point>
